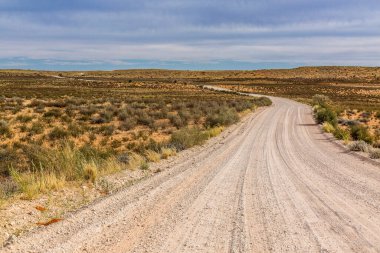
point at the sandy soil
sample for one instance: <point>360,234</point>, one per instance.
<point>273,183</point>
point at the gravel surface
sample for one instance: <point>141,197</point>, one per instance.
<point>272,183</point>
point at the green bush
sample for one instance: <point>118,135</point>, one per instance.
<point>24,118</point>
<point>327,127</point>
<point>36,128</point>
<point>225,117</point>
<point>58,133</point>
<point>361,133</point>
<point>341,134</point>
<point>53,113</point>
<point>326,114</point>
<point>188,137</point>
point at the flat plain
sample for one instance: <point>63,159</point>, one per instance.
<point>271,183</point>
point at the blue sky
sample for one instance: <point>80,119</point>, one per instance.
<point>184,34</point>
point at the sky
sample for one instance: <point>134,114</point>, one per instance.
<point>187,34</point>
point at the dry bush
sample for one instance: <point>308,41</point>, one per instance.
<point>327,127</point>
<point>58,133</point>
<point>168,152</point>
<point>4,128</point>
<point>152,156</point>
<point>361,133</point>
<point>188,137</point>
<point>359,146</point>
<point>375,153</point>
<point>135,161</point>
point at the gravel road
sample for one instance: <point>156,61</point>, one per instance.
<point>272,183</point>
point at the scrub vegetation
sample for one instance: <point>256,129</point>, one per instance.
<point>58,131</point>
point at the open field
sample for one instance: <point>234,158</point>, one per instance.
<point>272,183</point>
<point>74,129</point>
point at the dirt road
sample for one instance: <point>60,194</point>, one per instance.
<point>273,183</point>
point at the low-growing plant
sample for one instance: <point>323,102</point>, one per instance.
<point>36,128</point>
<point>7,188</point>
<point>58,133</point>
<point>53,113</point>
<point>359,146</point>
<point>321,100</point>
<point>90,171</point>
<point>327,127</point>
<point>361,133</point>
<point>215,131</point>
<point>33,183</point>
<point>326,114</point>
<point>24,118</point>
<point>167,152</point>
<point>152,156</point>
<point>135,161</point>
<point>4,129</point>
<point>225,117</point>
<point>342,134</point>
<point>144,165</point>
<point>128,124</point>
<point>188,137</point>
<point>374,153</point>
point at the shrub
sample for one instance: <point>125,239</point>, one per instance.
<point>7,188</point>
<point>7,156</point>
<point>374,154</point>
<point>36,128</point>
<point>152,156</point>
<point>123,158</point>
<point>107,130</point>
<point>321,100</point>
<point>128,125</point>
<point>4,128</point>
<point>98,120</point>
<point>53,113</point>
<point>359,146</point>
<point>261,101</point>
<point>224,118</point>
<point>107,116</point>
<point>58,133</point>
<point>361,133</point>
<point>145,119</point>
<point>176,121</point>
<point>215,131</point>
<point>135,161</point>
<point>167,152</point>
<point>144,165</point>
<point>24,118</point>
<point>74,130</point>
<point>327,127</point>
<point>90,171</point>
<point>188,137</point>
<point>87,111</point>
<point>326,114</point>
<point>342,134</point>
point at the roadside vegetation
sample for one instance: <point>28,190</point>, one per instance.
<point>60,132</point>
<point>356,133</point>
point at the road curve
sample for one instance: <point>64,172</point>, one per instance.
<point>273,183</point>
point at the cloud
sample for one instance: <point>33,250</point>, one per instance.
<point>115,31</point>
